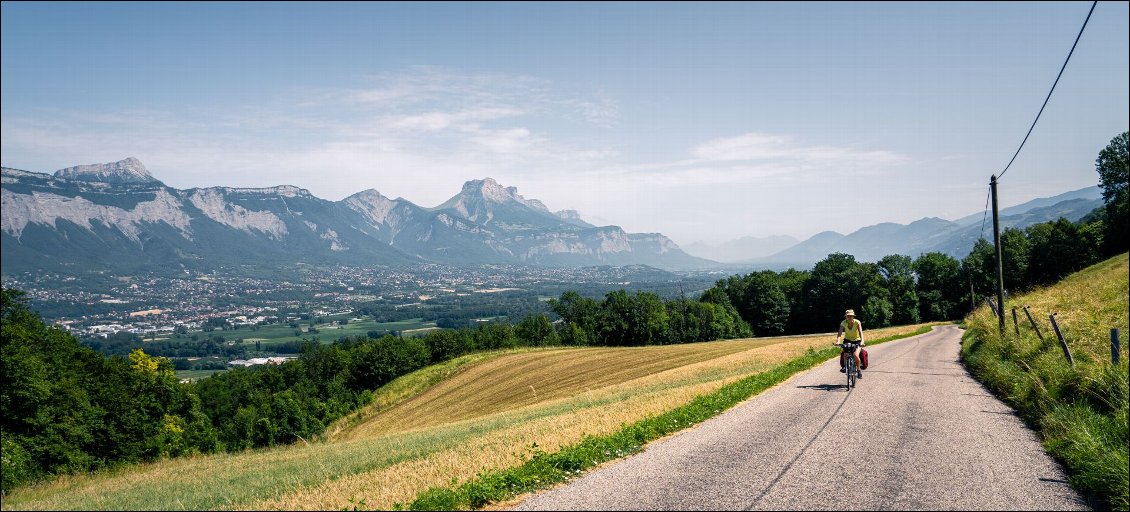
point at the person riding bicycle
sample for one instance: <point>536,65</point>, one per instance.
<point>851,331</point>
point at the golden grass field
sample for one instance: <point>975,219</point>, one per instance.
<point>1088,304</point>
<point>439,426</point>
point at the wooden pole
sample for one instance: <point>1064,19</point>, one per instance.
<point>1033,322</point>
<point>1115,348</point>
<point>1062,342</point>
<point>1000,264</point>
<point>1015,324</point>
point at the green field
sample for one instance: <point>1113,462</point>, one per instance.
<point>330,331</point>
<point>196,374</point>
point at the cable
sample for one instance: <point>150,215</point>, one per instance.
<point>1001,175</point>
<point>986,215</point>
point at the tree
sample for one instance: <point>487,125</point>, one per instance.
<point>1015,249</point>
<point>898,273</point>
<point>762,303</point>
<point>536,330</point>
<point>793,284</point>
<point>980,267</point>
<point>650,318</point>
<point>878,311</point>
<point>632,320</point>
<point>572,334</point>
<point>682,324</point>
<point>940,286</point>
<point>493,336</point>
<point>837,283</point>
<point>65,408</point>
<point>718,318</point>
<point>444,344</point>
<point>1057,249</point>
<point>616,316</point>
<point>1114,178</point>
<point>1112,166</point>
<point>582,312</point>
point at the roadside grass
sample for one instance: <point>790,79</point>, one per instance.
<point>1080,411</point>
<point>378,469</point>
<point>543,469</point>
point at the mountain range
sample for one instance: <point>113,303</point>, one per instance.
<point>118,216</point>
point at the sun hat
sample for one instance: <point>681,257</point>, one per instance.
<point>849,312</point>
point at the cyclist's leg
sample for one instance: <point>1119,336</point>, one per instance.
<point>843,361</point>
<point>855,355</point>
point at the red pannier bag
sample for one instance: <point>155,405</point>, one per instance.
<point>862,359</point>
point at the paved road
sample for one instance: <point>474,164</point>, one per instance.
<point>932,438</point>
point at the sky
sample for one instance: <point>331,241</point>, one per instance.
<point>702,121</point>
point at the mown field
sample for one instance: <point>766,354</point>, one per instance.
<point>1080,411</point>
<point>439,426</point>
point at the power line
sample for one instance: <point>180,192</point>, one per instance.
<point>986,215</point>
<point>1001,175</point>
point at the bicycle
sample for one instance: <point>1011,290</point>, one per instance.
<point>849,363</point>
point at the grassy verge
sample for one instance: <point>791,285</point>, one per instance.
<point>1080,411</point>
<point>542,470</point>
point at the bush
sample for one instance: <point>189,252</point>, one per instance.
<point>16,466</point>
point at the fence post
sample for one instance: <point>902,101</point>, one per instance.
<point>992,306</point>
<point>1033,322</point>
<point>1062,342</point>
<point>1015,324</point>
<point>1115,347</point>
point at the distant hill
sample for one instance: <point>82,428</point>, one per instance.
<point>955,238</point>
<point>1089,193</point>
<point>117,216</point>
<point>742,249</point>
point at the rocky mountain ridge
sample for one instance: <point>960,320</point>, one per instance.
<point>117,215</point>
<point>130,170</point>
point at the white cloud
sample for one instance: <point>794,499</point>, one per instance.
<point>427,121</point>
<point>751,146</point>
<point>761,146</point>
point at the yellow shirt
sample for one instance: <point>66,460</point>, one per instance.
<point>853,332</point>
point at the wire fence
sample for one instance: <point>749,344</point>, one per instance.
<point>1115,342</point>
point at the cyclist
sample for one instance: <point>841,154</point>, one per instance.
<point>851,331</point>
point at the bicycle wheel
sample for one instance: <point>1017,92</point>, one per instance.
<point>850,372</point>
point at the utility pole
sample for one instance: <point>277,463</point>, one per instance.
<point>1000,263</point>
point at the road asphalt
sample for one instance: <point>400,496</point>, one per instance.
<point>917,433</point>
